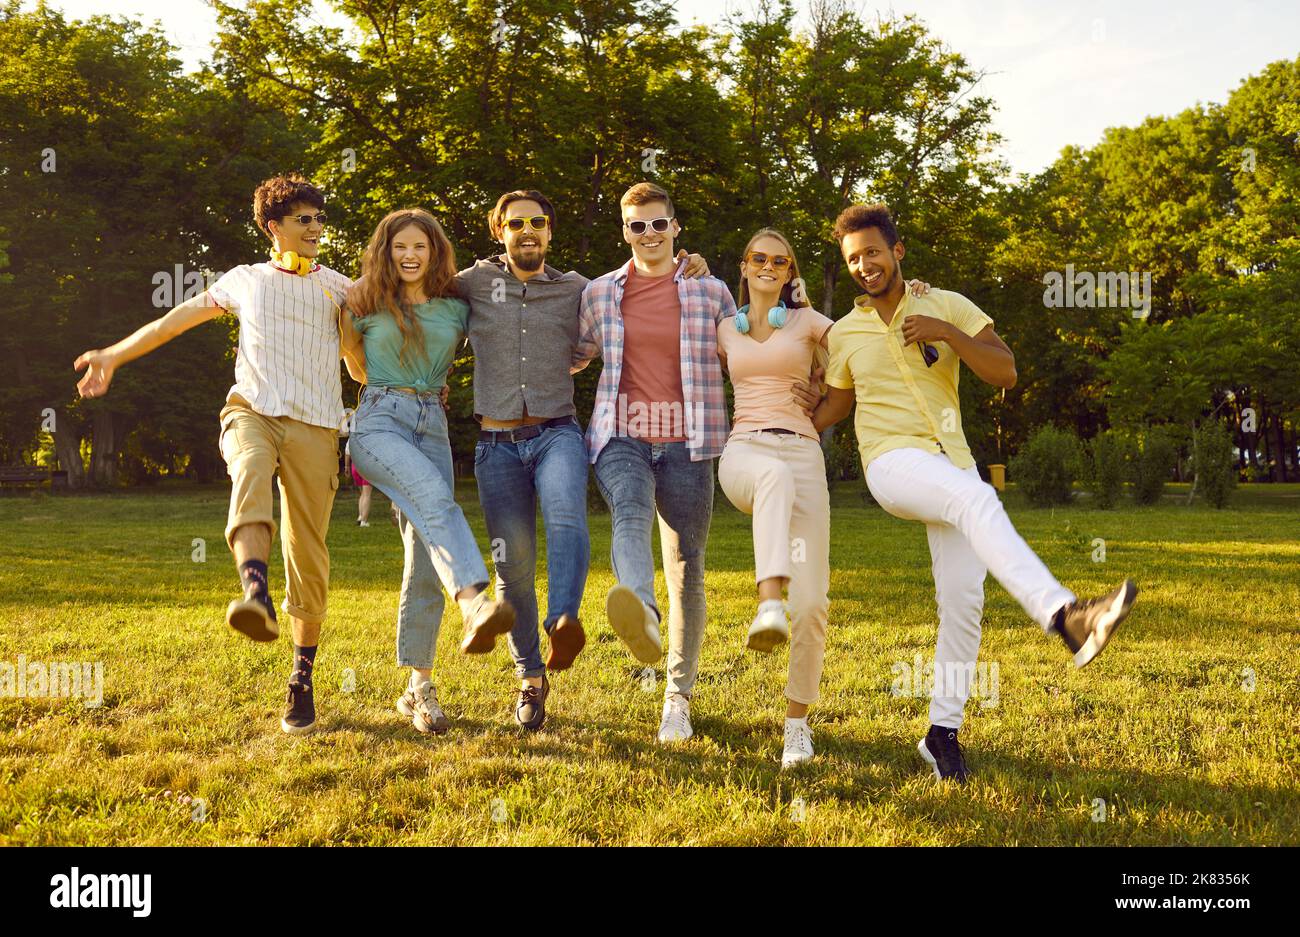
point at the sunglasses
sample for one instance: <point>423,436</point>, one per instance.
<point>929,353</point>
<point>759,259</point>
<point>305,220</point>
<point>638,227</point>
<point>538,222</point>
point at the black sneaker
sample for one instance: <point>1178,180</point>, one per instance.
<point>1087,626</point>
<point>530,707</point>
<point>300,714</point>
<point>253,615</point>
<point>943,753</point>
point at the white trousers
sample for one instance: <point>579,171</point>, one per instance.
<point>970,536</point>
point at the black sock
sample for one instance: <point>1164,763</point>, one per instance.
<point>304,661</point>
<point>254,571</point>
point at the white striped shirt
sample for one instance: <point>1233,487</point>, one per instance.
<point>288,358</point>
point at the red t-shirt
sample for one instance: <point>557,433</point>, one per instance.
<point>650,407</point>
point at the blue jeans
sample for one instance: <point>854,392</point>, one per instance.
<point>399,443</point>
<point>639,480</point>
<point>513,477</point>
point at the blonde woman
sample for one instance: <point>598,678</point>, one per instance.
<point>772,468</point>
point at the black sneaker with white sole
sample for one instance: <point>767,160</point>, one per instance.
<point>1087,626</point>
<point>944,754</point>
<point>300,712</point>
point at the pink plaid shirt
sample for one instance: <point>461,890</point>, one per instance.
<point>705,302</point>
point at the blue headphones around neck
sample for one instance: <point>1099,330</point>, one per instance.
<point>776,317</point>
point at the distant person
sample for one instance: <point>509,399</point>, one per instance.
<point>363,486</point>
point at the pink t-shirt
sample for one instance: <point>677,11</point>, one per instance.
<point>762,372</point>
<point>651,381</point>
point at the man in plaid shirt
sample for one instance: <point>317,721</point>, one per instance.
<point>659,421</point>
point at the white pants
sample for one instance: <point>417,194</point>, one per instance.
<point>970,535</point>
<point>781,481</point>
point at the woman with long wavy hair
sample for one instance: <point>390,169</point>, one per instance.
<point>405,313</point>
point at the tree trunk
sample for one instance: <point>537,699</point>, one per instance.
<point>67,445</point>
<point>103,449</point>
<point>596,179</point>
<point>830,270</point>
<point>1281,447</point>
<point>1261,441</point>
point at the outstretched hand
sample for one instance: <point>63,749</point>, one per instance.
<point>99,372</point>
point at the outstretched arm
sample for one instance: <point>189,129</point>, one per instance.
<point>101,363</point>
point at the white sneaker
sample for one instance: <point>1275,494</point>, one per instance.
<point>634,622</point>
<point>675,726</point>
<point>363,523</point>
<point>421,704</point>
<point>798,743</point>
<point>770,628</point>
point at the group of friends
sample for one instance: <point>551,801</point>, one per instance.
<point>668,334</point>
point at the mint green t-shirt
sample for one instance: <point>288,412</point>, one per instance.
<point>444,321</point>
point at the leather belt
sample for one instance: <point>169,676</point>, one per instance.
<point>520,433</point>
<point>406,391</point>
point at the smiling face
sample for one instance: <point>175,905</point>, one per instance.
<point>873,264</point>
<point>525,248</point>
<point>410,253</point>
<point>291,235</point>
<point>651,248</point>
<point>766,280</point>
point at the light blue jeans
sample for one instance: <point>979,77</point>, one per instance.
<point>400,445</point>
<point>640,481</point>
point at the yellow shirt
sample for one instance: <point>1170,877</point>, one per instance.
<point>900,402</point>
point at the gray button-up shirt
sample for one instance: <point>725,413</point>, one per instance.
<point>523,335</point>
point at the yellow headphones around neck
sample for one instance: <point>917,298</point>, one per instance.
<point>289,260</point>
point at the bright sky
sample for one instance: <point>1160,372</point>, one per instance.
<point>1061,72</point>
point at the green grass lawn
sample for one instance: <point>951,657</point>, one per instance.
<point>1184,727</point>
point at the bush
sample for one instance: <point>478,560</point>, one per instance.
<point>1214,463</point>
<point>843,461</point>
<point>1046,467</point>
<point>1108,455</point>
<point>1152,467</point>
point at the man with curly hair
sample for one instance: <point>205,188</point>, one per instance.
<point>282,416</point>
<point>918,465</point>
